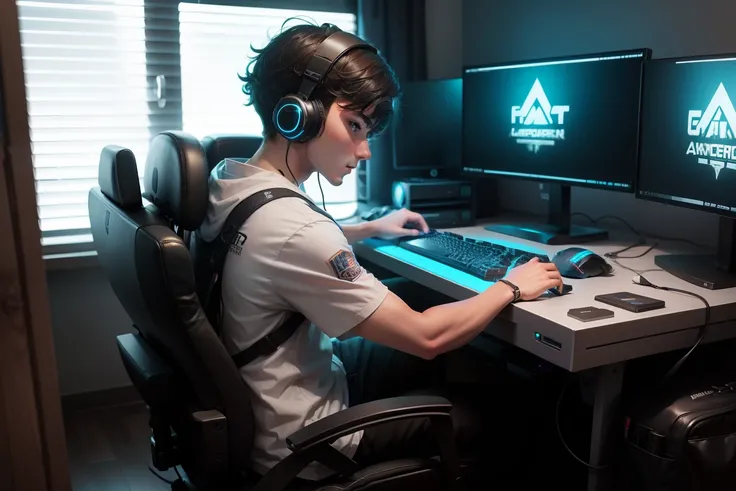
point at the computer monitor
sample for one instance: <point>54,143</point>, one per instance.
<point>568,121</point>
<point>688,154</point>
<point>427,131</point>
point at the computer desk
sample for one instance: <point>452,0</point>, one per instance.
<point>600,348</point>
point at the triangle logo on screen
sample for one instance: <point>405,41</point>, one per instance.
<point>717,126</point>
<point>537,123</point>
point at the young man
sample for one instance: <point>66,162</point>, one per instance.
<point>294,259</point>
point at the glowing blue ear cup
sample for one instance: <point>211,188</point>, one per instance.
<point>289,118</point>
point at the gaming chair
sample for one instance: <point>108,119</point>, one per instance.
<point>200,409</point>
<point>220,146</point>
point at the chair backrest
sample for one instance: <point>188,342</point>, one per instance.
<point>151,272</point>
<point>218,147</point>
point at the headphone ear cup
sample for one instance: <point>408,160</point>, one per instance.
<point>314,120</point>
<point>321,117</point>
<point>290,116</point>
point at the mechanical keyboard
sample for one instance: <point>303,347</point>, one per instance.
<point>480,258</point>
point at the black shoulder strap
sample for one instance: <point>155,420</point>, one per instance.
<point>249,205</point>
<point>229,233</point>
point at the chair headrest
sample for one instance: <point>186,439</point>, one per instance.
<point>176,178</point>
<point>221,146</point>
<point>118,177</point>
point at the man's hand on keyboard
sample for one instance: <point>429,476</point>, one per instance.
<point>534,278</point>
<point>399,223</point>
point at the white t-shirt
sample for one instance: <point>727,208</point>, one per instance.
<point>291,258</point>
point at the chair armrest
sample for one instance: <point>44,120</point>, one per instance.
<point>365,415</point>
<point>151,375</point>
<point>312,443</point>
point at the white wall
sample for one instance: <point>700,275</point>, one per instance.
<point>86,318</point>
<point>444,24</point>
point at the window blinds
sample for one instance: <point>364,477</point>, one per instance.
<point>86,86</point>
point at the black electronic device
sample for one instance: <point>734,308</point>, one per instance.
<point>679,435</point>
<point>590,314</point>
<point>576,262</point>
<point>423,142</point>
<point>631,301</point>
<point>480,258</point>
<point>567,121</point>
<point>444,203</point>
<point>688,155</point>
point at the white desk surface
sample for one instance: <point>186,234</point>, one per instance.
<point>585,344</point>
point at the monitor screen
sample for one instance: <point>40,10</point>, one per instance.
<point>428,126</point>
<point>574,121</point>
<point>688,134</point>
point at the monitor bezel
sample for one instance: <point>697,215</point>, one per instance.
<point>395,128</point>
<point>639,190</point>
<point>646,56</point>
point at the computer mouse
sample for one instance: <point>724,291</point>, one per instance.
<point>576,262</point>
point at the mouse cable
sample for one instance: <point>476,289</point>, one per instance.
<point>640,280</point>
<point>642,242</point>
<point>616,255</point>
<point>562,439</point>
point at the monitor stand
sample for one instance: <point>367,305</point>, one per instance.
<point>559,230</point>
<point>711,272</point>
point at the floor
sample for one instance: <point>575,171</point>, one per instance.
<point>109,450</point>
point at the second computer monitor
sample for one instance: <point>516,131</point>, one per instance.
<point>567,121</point>
<point>427,131</point>
<point>688,155</point>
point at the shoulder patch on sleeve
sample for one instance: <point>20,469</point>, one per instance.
<point>345,266</point>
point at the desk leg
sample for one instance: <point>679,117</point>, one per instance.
<point>607,391</point>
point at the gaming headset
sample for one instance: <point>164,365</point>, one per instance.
<point>299,118</point>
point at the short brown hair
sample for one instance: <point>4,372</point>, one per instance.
<point>360,77</point>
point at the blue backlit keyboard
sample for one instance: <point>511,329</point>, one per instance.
<point>480,258</point>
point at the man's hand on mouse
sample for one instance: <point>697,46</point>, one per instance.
<point>399,223</point>
<point>534,278</point>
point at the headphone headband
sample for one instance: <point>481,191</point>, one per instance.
<point>329,51</point>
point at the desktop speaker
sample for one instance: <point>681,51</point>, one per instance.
<point>444,203</point>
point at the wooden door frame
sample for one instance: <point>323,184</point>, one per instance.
<point>33,454</point>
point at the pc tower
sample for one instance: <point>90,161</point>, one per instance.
<point>569,121</point>
<point>688,155</point>
<point>444,203</point>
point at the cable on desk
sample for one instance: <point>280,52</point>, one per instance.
<point>640,280</point>
<point>616,255</point>
<point>636,232</point>
<point>562,439</point>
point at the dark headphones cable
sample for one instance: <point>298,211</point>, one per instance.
<point>286,160</point>
<point>319,183</point>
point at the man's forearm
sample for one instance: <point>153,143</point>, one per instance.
<point>452,325</point>
<point>356,233</point>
